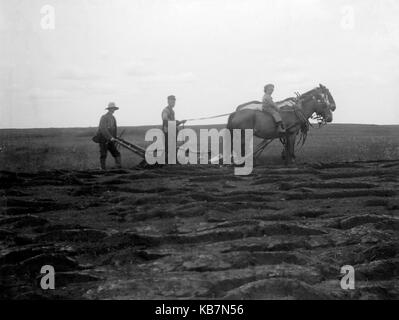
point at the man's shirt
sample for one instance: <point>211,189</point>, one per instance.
<point>167,115</point>
<point>108,127</point>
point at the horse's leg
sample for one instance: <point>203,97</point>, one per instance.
<point>283,154</point>
<point>287,156</point>
<point>293,147</point>
<point>290,150</point>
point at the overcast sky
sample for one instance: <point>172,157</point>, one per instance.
<point>213,55</point>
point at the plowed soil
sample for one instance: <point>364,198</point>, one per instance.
<point>201,232</point>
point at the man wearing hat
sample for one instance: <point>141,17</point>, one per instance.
<point>168,114</point>
<point>107,131</point>
<point>269,106</point>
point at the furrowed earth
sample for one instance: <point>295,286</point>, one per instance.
<point>201,232</point>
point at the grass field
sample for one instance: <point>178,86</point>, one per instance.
<point>72,148</point>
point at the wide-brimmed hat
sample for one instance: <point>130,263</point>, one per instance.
<point>111,106</point>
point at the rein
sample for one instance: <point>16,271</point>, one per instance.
<point>320,120</point>
<point>213,117</point>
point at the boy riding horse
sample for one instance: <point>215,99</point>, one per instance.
<point>268,105</point>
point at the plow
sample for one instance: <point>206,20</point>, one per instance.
<point>140,151</point>
<point>131,147</point>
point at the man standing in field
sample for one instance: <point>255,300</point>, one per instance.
<point>107,132</point>
<point>268,105</point>
<point>168,114</point>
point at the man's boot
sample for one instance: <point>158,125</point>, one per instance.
<point>102,164</point>
<point>280,128</point>
<point>118,162</point>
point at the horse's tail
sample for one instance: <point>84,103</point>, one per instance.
<point>230,119</point>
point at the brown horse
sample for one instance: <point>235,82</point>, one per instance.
<point>318,101</point>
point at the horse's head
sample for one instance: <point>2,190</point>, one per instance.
<point>328,98</point>
<point>322,101</point>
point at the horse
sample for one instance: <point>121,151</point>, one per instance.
<point>295,113</point>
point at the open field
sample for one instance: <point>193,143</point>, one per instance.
<point>44,149</point>
<point>199,231</point>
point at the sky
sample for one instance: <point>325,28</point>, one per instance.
<point>211,54</point>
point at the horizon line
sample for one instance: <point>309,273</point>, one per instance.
<point>196,125</point>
